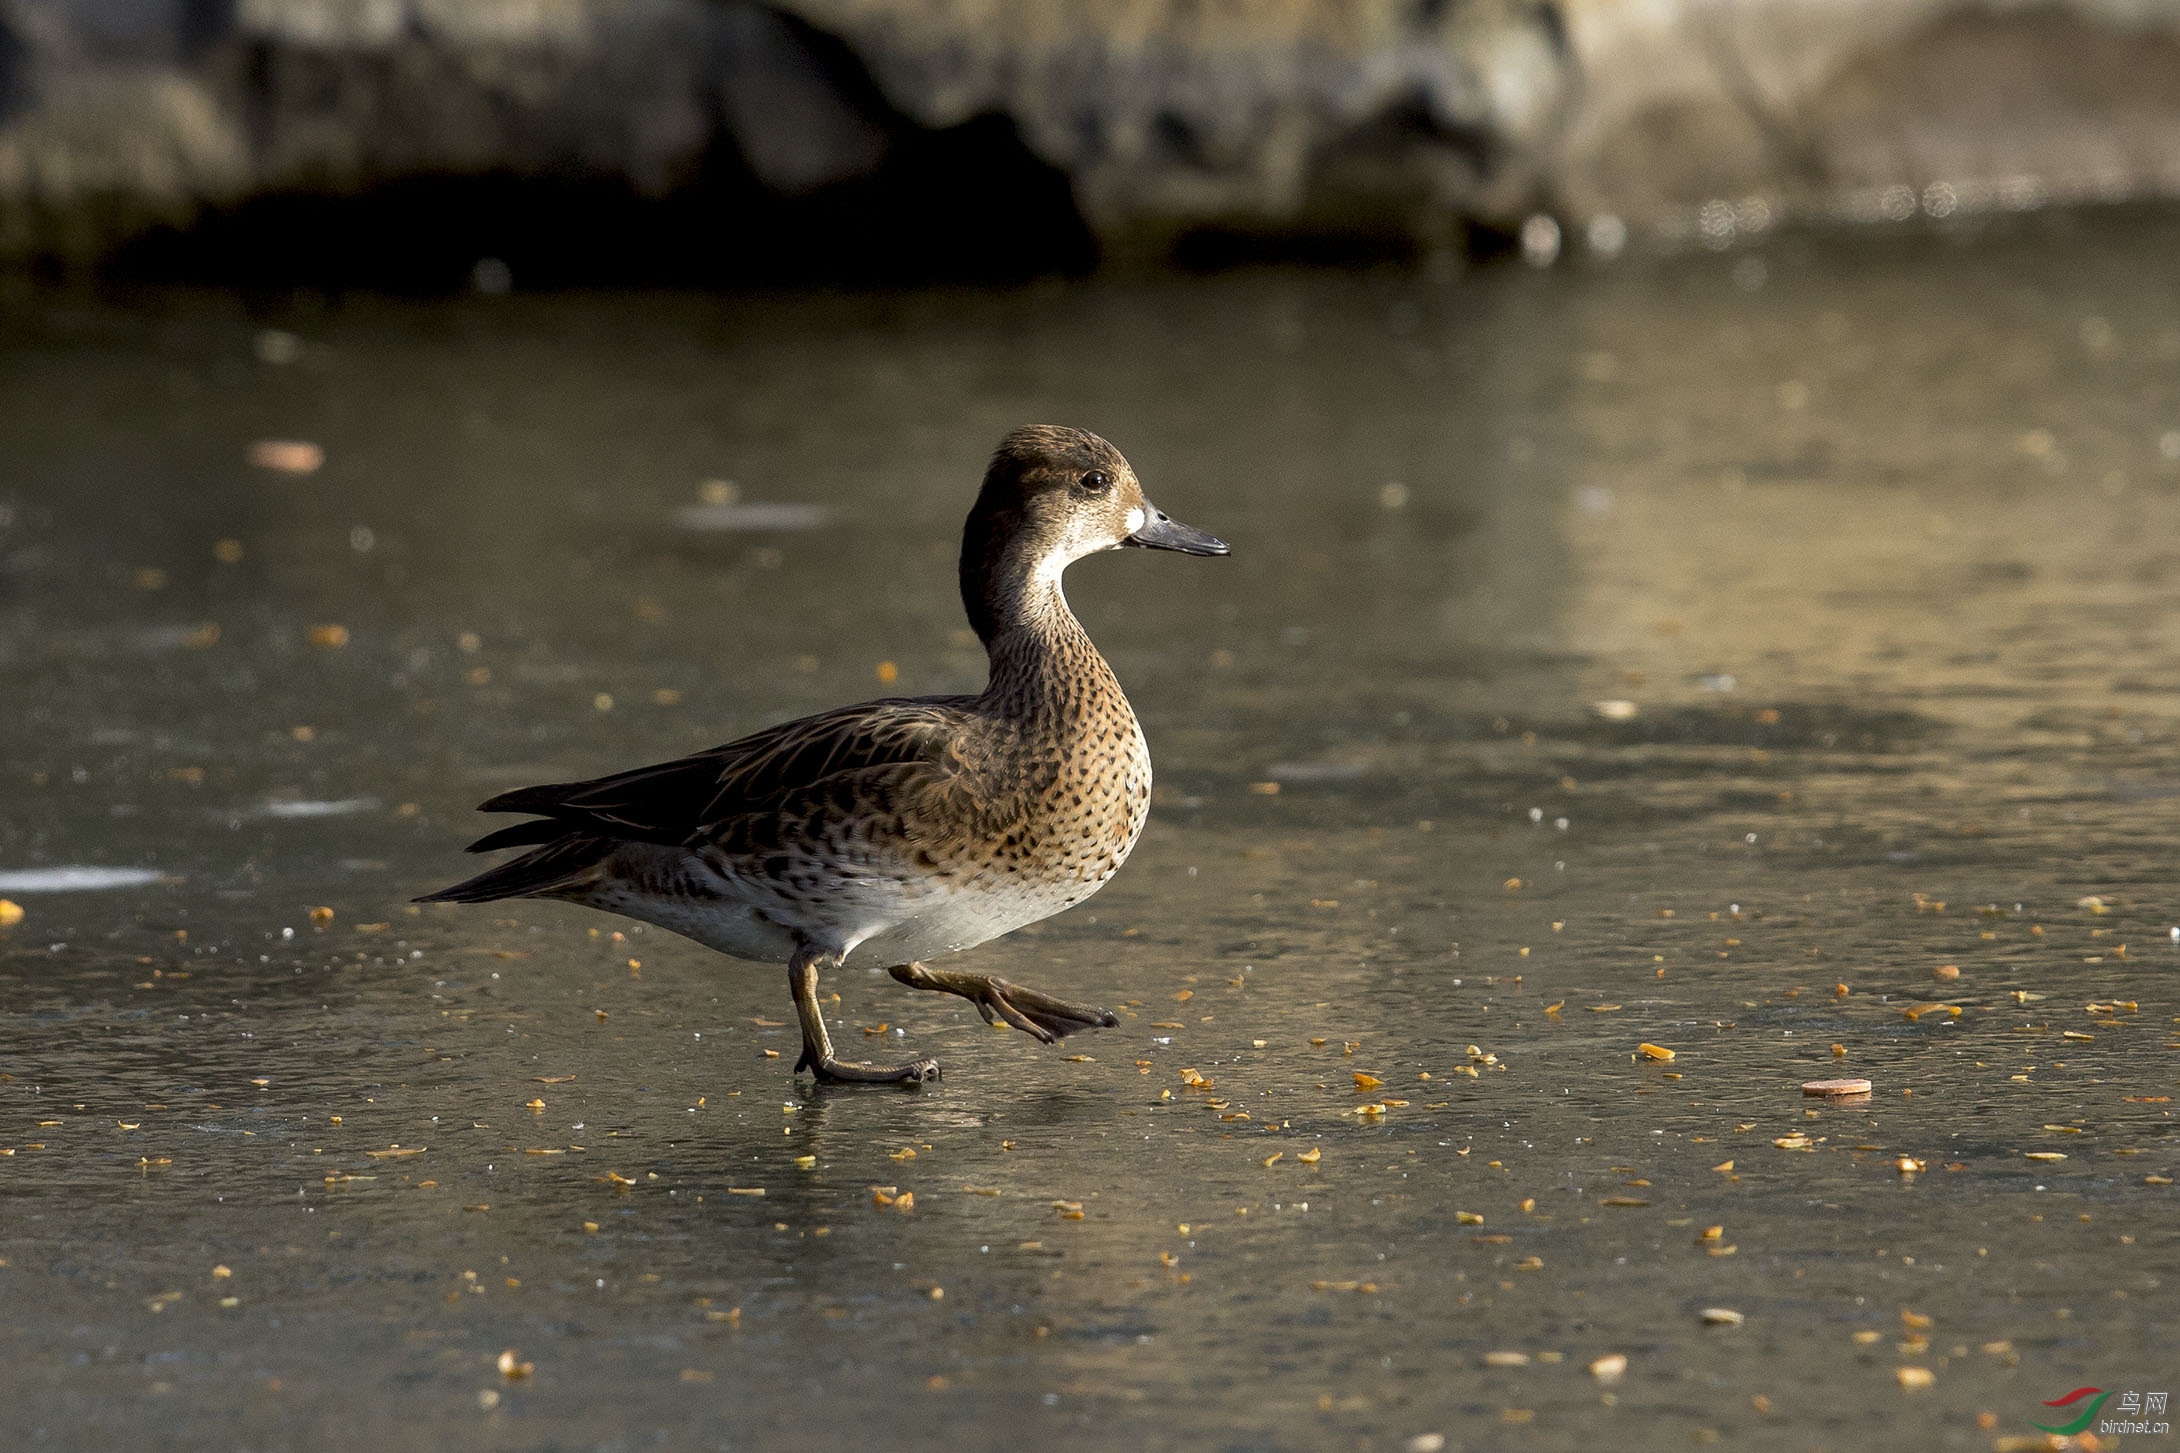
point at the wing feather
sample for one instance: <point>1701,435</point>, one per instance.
<point>753,776</point>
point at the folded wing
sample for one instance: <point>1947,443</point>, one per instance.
<point>677,802</point>
<point>737,794</point>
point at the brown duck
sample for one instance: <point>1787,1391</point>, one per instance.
<point>898,830</point>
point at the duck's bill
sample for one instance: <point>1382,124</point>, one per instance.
<point>1161,532</point>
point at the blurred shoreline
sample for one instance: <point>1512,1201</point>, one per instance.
<point>440,144</point>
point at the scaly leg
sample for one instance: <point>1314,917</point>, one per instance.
<point>1042,1017</point>
<point>817,1045</point>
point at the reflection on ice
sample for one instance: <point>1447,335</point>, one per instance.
<point>336,807</point>
<point>75,880</point>
<point>760,518</point>
<point>1315,771</point>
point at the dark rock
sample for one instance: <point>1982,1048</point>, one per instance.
<point>1371,117</point>
<point>14,73</point>
<point>802,111</point>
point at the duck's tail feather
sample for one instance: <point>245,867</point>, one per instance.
<point>522,835</point>
<point>549,797</point>
<point>542,873</point>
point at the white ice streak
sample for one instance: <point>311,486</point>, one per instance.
<point>757,517</point>
<point>74,879</point>
<point>312,807</point>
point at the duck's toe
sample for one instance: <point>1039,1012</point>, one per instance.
<point>1047,1019</point>
<point>852,1072</point>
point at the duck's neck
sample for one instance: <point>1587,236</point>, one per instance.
<point>1042,660</point>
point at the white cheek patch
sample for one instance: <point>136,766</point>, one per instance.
<point>1135,520</point>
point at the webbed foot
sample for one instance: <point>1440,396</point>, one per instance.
<point>817,1046</point>
<point>854,1072</point>
<point>1038,1015</point>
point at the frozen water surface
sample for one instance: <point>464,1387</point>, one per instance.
<point>273,1177</point>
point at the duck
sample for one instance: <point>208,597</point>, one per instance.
<point>903,830</point>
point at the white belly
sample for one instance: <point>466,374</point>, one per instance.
<point>729,927</point>
<point>949,921</point>
<point>879,920</point>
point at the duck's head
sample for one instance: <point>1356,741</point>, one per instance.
<point>1051,496</point>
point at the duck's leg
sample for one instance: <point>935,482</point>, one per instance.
<point>1040,1016</point>
<point>817,1045</point>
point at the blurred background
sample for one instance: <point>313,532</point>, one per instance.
<point>403,143</point>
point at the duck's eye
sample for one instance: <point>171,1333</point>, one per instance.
<point>1097,481</point>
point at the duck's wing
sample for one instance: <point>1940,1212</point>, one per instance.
<point>763,773</point>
